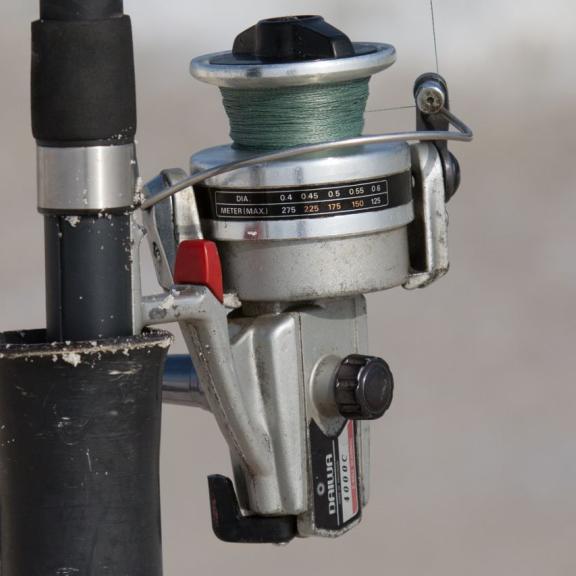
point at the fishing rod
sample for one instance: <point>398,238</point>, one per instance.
<point>264,250</point>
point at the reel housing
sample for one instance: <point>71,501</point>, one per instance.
<point>271,255</point>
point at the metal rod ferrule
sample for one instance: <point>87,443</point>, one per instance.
<point>86,179</point>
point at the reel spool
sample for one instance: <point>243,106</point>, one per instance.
<point>327,225</point>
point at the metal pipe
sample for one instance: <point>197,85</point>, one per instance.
<point>180,384</point>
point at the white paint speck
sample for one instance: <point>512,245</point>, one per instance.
<point>123,372</point>
<point>168,302</point>
<point>73,220</point>
<point>72,358</point>
<point>67,571</point>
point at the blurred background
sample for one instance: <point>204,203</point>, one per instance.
<point>474,467</point>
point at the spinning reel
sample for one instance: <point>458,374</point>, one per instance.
<point>265,260</point>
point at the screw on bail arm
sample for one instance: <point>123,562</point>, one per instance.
<point>432,113</point>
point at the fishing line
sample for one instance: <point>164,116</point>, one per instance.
<point>283,117</point>
<point>434,34</point>
<point>391,109</point>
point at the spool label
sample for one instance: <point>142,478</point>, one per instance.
<point>310,202</point>
<point>335,477</point>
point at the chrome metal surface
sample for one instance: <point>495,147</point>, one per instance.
<point>330,169</point>
<point>259,75</point>
<point>464,134</point>
<point>90,179</point>
<point>180,384</point>
<point>186,220</point>
<point>159,225</point>
<point>267,357</point>
<point>169,222</point>
<point>430,244</point>
<point>203,321</point>
<point>322,388</point>
<point>296,270</point>
<point>275,357</point>
<point>330,331</point>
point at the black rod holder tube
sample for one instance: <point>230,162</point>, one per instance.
<point>79,455</point>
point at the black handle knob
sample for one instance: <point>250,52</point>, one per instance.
<point>364,387</point>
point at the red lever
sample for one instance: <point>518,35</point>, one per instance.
<point>198,263</point>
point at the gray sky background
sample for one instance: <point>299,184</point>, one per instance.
<point>474,469</point>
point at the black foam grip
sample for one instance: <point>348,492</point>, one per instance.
<point>83,82</point>
<point>79,456</point>
<point>80,9</point>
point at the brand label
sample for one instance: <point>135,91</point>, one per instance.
<point>335,477</point>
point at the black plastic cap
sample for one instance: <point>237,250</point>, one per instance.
<point>230,525</point>
<point>292,39</point>
<point>364,387</point>
<point>77,10</point>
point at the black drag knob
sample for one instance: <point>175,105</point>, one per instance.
<point>364,387</point>
<point>293,39</point>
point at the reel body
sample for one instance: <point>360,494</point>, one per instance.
<point>266,263</point>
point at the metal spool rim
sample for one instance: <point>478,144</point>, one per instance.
<point>373,58</point>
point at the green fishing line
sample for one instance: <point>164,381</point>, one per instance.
<point>276,118</point>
